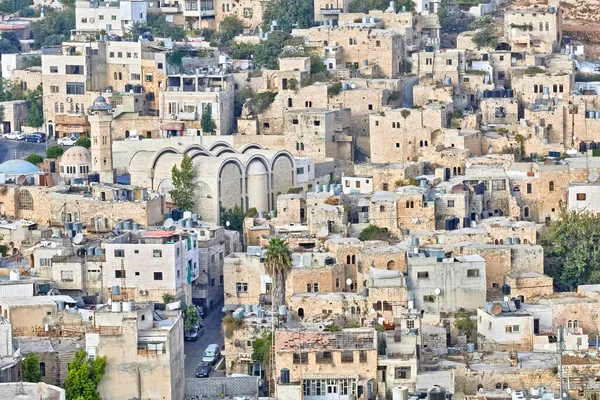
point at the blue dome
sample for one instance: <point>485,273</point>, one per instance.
<point>18,167</point>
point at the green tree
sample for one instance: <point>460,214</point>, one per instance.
<point>31,368</point>
<point>33,61</point>
<point>84,141</point>
<point>207,122</point>
<point>183,184</point>
<point>175,57</point>
<point>365,6</point>
<point>572,250</point>
<point>84,376</point>
<point>235,216</point>
<point>135,30</point>
<point>242,51</point>
<point>10,43</point>
<point>451,18</point>
<point>2,113</point>
<point>159,27</point>
<point>261,349</point>
<point>230,27</point>
<point>465,324</point>
<point>373,232</point>
<point>54,28</point>
<point>289,14</point>
<point>35,101</point>
<point>485,34</point>
<point>54,152</point>
<point>260,102</point>
<point>239,98</point>
<point>267,52</point>
<point>278,262</point>
<point>35,159</point>
<point>191,319</point>
<point>12,6</point>
<point>316,65</point>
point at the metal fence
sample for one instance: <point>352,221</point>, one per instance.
<point>221,387</point>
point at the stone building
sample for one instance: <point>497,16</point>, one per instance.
<point>113,18</point>
<point>144,351</point>
<point>14,115</point>
<point>534,30</point>
<point>171,264</point>
<point>76,162</point>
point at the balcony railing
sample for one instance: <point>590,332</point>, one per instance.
<point>331,11</point>
<point>187,116</point>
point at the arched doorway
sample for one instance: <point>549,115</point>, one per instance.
<point>391,265</point>
<point>301,313</point>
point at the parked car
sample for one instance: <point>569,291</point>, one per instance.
<point>203,370</point>
<point>37,137</point>
<point>14,136</point>
<point>212,354</point>
<point>194,334</point>
<point>66,141</point>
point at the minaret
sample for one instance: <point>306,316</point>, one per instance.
<point>100,118</point>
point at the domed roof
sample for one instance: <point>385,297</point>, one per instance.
<point>100,104</point>
<point>18,167</point>
<point>76,155</point>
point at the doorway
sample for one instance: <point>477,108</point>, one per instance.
<point>332,390</point>
<point>536,326</point>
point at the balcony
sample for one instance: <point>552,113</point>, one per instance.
<point>193,10</point>
<point>331,11</point>
<point>187,116</point>
<point>170,8</point>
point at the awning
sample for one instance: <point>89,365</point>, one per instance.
<point>172,126</point>
<point>330,376</point>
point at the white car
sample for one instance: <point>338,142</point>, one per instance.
<point>66,141</point>
<point>14,136</point>
<point>134,137</point>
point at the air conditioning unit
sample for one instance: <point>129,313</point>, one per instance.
<point>173,116</point>
<point>143,292</point>
<point>69,100</point>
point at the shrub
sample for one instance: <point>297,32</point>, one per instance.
<point>334,90</point>
<point>35,159</point>
<point>231,324</point>
<point>54,152</point>
<point>373,232</point>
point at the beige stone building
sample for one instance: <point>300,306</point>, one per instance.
<point>535,30</point>
<point>144,352</point>
<point>14,116</point>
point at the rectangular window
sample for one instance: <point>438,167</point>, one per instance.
<point>159,65</point>
<point>357,184</point>
<point>428,61</point>
<point>377,43</point>
<point>498,184</point>
<point>241,287</point>
<point>324,357</point>
<point>317,122</point>
<point>156,253</point>
<point>315,287</point>
<point>466,80</point>
<point>119,253</point>
<point>113,17</point>
<point>529,186</point>
<point>54,89</point>
<point>74,69</point>
<point>128,55</point>
<point>66,276</point>
<point>101,17</point>
<point>347,356</point>
<point>158,276</point>
<point>148,77</point>
<point>347,183</point>
<point>448,62</point>
<point>53,69</point>
<point>410,324</point>
<point>402,373</point>
<point>428,298</point>
<point>581,196</point>
<point>119,274</point>
<point>135,77</point>
<point>337,282</point>
<point>423,275</point>
<point>45,262</point>
<point>300,358</point>
<point>450,203</point>
<point>308,288</point>
<point>512,328</point>
<point>299,171</point>
<point>472,273</point>
<point>75,88</point>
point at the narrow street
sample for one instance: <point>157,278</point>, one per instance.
<point>195,350</point>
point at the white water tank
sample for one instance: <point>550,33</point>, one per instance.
<point>127,306</point>
<point>14,276</point>
<point>115,306</point>
<point>400,393</point>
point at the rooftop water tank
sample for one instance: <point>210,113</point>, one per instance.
<point>115,306</point>
<point>127,306</point>
<point>436,393</point>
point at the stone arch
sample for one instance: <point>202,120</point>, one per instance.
<point>194,149</point>
<point>161,152</point>
<point>251,146</point>
<point>203,190</point>
<point>258,188</point>
<point>218,144</point>
<point>391,265</point>
<point>224,150</point>
<point>231,178</point>
<point>283,168</point>
<point>164,186</point>
<point>25,200</point>
<point>301,312</point>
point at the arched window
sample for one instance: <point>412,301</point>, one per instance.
<point>115,76</point>
<point>454,171</point>
<point>56,107</point>
<point>43,368</point>
<point>541,88</point>
<point>551,186</point>
<point>526,212</point>
<point>505,386</point>
<point>301,313</point>
<point>348,259</point>
<point>560,88</point>
<point>569,324</point>
<point>575,324</point>
<point>126,134</point>
<point>393,124</point>
<point>541,26</point>
<point>381,208</point>
<point>535,88</point>
<point>120,76</point>
<point>407,204</point>
<point>297,146</point>
<point>352,310</point>
<point>555,88</point>
<point>531,26</point>
<point>77,108</point>
<point>426,144</point>
<point>378,305</point>
<point>25,201</point>
<point>62,107</point>
<point>547,26</point>
<point>223,7</point>
<point>421,143</point>
<point>391,265</point>
<point>353,259</point>
<point>498,385</point>
<point>459,170</point>
<point>301,146</point>
<point>71,107</point>
<point>358,310</point>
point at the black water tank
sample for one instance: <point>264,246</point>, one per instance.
<point>506,290</point>
<point>128,87</point>
<point>517,302</point>
<point>466,222</point>
<point>448,224</point>
<point>447,174</point>
<point>285,376</point>
<point>582,147</point>
<point>436,393</point>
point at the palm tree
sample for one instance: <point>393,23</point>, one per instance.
<point>278,260</point>
<point>135,30</point>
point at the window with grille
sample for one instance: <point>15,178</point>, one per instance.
<point>402,373</point>
<point>498,184</point>
<point>66,276</point>
<point>241,287</point>
<point>25,201</point>
<point>45,262</point>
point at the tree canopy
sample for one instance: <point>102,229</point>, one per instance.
<point>9,43</point>
<point>485,34</point>
<point>267,52</point>
<point>207,122</point>
<point>365,6</point>
<point>572,250</point>
<point>159,27</point>
<point>235,216</point>
<point>35,102</point>
<point>84,142</point>
<point>12,6</point>
<point>54,28</point>
<point>373,232</point>
<point>31,368</point>
<point>182,193</point>
<point>84,376</point>
<point>191,319</point>
<point>35,159</point>
<point>54,152</point>
<point>289,14</point>
<point>278,261</point>
<point>230,27</point>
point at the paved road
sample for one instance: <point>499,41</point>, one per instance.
<point>407,91</point>
<point>195,350</point>
<point>23,149</point>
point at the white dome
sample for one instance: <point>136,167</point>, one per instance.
<point>76,155</point>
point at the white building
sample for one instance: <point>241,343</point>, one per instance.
<point>148,264</point>
<point>11,62</point>
<point>114,17</point>
<point>357,184</point>
<point>584,197</point>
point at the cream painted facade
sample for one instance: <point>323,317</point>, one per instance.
<point>112,17</point>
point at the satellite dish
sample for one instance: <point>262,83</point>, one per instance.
<point>437,291</point>
<point>593,176</point>
<point>468,164</point>
<point>78,239</point>
<point>497,309</point>
<point>348,281</point>
<point>372,311</point>
<point>168,223</point>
